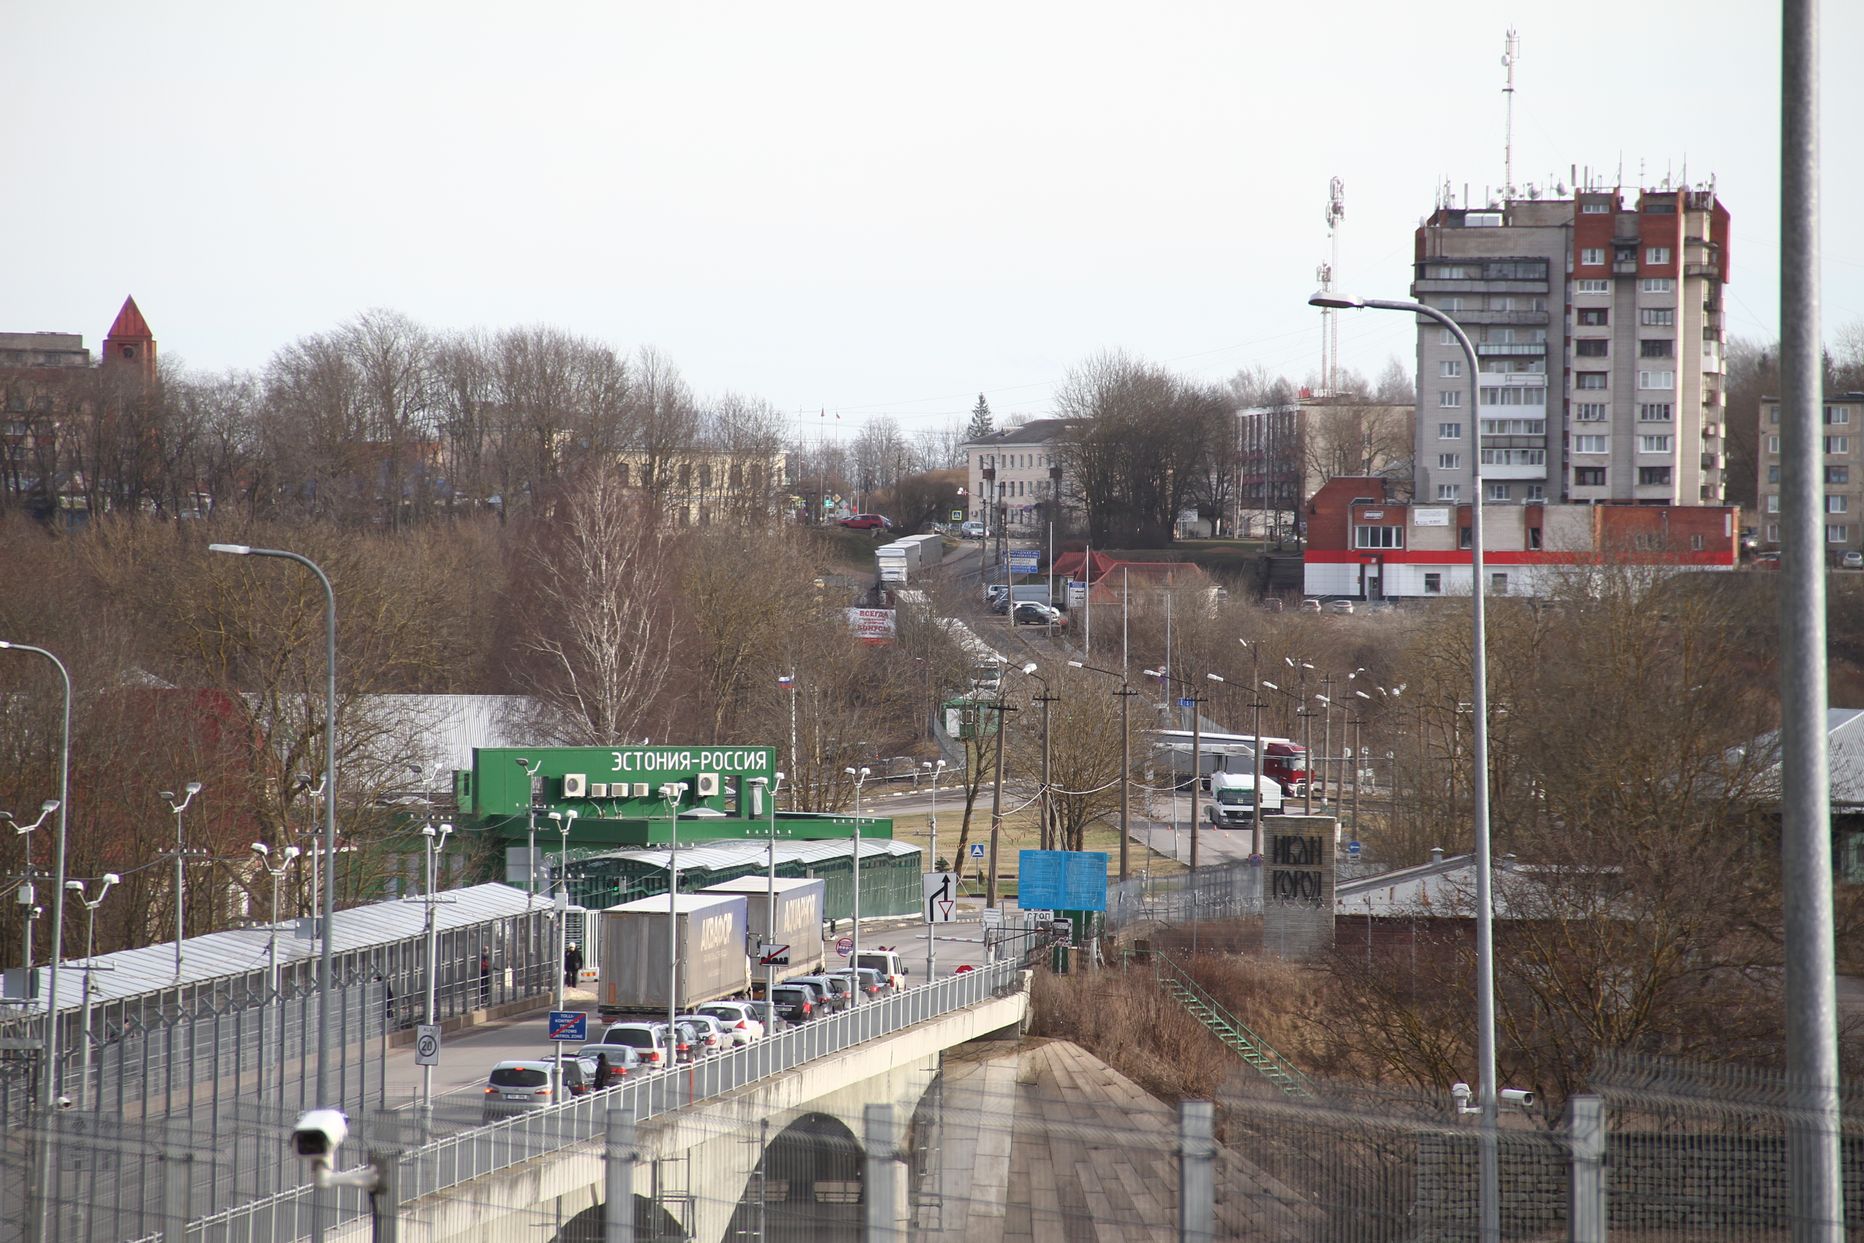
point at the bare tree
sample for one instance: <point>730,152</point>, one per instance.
<point>596,623</point>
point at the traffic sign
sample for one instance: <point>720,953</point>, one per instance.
<point>427,1045</point>
<point>1185,701</point>
<point>773,955</point>
<point>569,1025</point>
<point>844,946</point>
<point>1352,850</point>
<point>1038,919</point>
<point>992,917</point>
<point>977,850</point>
<point>1025,560</point>
<point>939,897</point>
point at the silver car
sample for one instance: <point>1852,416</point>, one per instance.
<point>518,1086</point>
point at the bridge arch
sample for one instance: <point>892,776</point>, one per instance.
<point>811,1186</point>
<point>652,1224</point>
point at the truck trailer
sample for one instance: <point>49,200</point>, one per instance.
<point>797,922</point>
<point>638,970</point>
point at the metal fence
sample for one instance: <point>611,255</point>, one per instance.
<point>1215,891</point>
<point>448,1162</point>
<point>209,1067</point>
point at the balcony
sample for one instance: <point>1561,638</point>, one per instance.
<point>1711,429</point>
<point>1435,285</point>
<point>1624,267</point>
<point>1510,349</point>
<point>1528,319</point>
<point>1712,461</point>
<point>1712,270</point>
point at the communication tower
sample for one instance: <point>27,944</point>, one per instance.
<point>1329,325</point>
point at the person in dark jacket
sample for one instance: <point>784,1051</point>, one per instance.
<point>572,965</point>
<point>485,980</point>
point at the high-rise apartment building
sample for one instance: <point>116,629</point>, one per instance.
<point>1600,334</point>
<point>1841,444</point>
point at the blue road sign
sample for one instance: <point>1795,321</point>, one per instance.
<point>1352,849</point>
<point>569,1025</point>
<point>977,850</point>
<point>1062,880</point>
<point>1025,560</point>
<point>1187,702</point>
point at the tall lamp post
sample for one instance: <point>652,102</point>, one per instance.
<point>1255,745</point>
<point>530,837</point>
<point>1479,676</point>
<point>326,971</point>
<point>1126,694</point>
<point>48,1053</point>
<point>932,849</point>
<point>436,840</point>
<point>277,872</point>
<point>26,894</point>
<point>854,957</point>
<point>671,793</point>
<point>181,891</point>
<point>770,788</point>
<point>90,929</point>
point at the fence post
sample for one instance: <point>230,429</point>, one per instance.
<point>1586,1201</point>
<point>882,1187</point>
<point>177,1181</point>
<point>385,1196</point>
<point>1197,1186</point>
<point>618,1157</point>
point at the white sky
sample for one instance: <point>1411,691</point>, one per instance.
<point>870,208</point>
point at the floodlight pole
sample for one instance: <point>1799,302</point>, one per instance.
<point>1479,674</point>
<point>1815,1168</point>
<point>48,1054</point>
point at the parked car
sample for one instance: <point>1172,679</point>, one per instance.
<point>710,1032</point>
<point>1029,613</point>
<point>831,998</point>
<point>1339,606</point>
<point>612,1062</point>
<point>1852,560</point>
<point>971,530</point>
<point>649,1040</point>
<point>868,522</point>
<point>795,1003</point>
<point>743,1019</point>
<point>1310,605</point>
<point>519,1085</point>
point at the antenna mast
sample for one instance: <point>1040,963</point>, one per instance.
<point>1329,324</point>
<point>1511,52</point>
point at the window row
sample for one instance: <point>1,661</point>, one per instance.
<point>1835,416</point>
<point>1839,445</point>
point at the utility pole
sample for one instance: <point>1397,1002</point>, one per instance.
<point>996,799</point>
<point>1048,836</point>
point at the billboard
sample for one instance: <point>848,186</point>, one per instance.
<point>1062,880</point>
<point>871,625</point>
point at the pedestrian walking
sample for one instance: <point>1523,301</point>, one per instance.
<point>485,980</point>
<point>572,965</point>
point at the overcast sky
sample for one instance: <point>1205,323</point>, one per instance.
<point>873,209</point>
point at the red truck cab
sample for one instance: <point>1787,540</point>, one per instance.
<point>1286,762</point>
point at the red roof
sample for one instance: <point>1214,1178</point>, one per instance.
<point>129,324</point>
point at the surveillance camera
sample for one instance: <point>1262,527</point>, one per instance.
<point>1517,1096</point>
<point>319,1133</point>
<point>1461,1093</point>
<point>65,1102</point>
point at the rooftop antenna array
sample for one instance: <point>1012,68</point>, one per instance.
<point>1329,325</point>
<point>1511,53</point>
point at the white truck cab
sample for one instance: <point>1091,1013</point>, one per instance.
<point>1233,800</point>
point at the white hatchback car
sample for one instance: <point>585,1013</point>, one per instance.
<point>742,1020</point>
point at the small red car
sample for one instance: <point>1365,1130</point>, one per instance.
<point>868,522</point>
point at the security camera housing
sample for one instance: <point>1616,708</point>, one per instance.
<point>319,1133</point>
<point>1517,1096</point>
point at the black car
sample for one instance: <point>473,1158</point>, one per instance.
<point>795,1003</point>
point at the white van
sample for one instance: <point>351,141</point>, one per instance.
<point>887,962</point>
<point>1233,800</point>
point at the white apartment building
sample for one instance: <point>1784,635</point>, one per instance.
<point>1014,473</point>
<point>1599,332</point>
<point>1842,442</point>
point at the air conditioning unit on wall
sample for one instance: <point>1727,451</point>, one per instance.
<point>707,786</point>
<point>575,785</point>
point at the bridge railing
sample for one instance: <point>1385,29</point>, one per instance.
<point>455,1159</point>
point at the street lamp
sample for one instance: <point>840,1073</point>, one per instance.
<point>1126,693</point>
<point>90,928</point>
<point>326,970</point>
<point>168,796</point>
<point>671,793</point>
<point>996,793</point>
<point>48,1054</point>
<point>770,788</point>
<point>27,896</point>
<point>530,811</point>
<point>277,873</point>
<point>1255,746</point>
<point>854,958</point>
<point>1479,676</point>
<point>932,849</point>
<point>436,840</point>
<point>564,820</point>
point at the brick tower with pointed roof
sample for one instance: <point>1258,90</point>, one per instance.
<point>129,346</point>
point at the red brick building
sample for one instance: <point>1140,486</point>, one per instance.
<point>1362,543</point>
